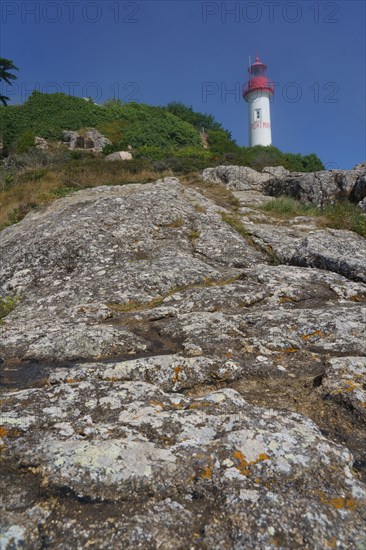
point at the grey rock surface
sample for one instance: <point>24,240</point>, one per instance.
<point>139,449</point>
<point>95,139</point>
<point>178,375</point>
<point>362,205</point>
<point>319,188</point>
<point>40,143</point>
<point>359,191</point>
<point>119,155</point>
<point>276,171</point>
<point>70,137</point>
<point>98,139</point>
<point>335,250</point>
<point>240,178</point>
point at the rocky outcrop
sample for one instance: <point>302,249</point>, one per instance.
<point>276,171</point>
<point>358,193</point>
<point>40,143</point>
<point>360,166</point>
<point>331,249</point>
<point>175,471</point>
<point>239,178</point>
<point>362,205</point>
<point>119,155</point>
<point>99,140</point>
<point>318,188</point>
<point>92,139</point>
<point>177,375</point>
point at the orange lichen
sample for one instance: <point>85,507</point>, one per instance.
<point>285,299</point>
<point>350,385</point>
<point>207,472</point>
<point>177,405</point>
<point>199,404</point>
<point>316,333</point>
<point>244,465</point>
<point>358,298</point>
<point>71,381</point>
<point>332,543</point>
<point>339,503</point>
<point>177,371</point>
<point>157,404</point>
<point>3,431</point>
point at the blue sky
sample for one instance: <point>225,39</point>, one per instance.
<point>197,52</point>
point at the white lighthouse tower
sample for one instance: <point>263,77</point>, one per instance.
<point>257,92</point>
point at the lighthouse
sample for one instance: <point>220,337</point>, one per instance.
<point>257,92</point>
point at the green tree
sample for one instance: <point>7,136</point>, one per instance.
<point>6,65</point>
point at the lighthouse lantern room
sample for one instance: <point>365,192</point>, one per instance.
<point>257,92</point>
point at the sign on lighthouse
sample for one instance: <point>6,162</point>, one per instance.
<point>257,92</point>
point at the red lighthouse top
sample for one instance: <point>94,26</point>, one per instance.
<point>258,80</point>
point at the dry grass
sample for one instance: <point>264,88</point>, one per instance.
<point>218,193</point>
<point>134,306</point>
<point>342,215</point>
<point>234,221</point>
<point>35,188</point>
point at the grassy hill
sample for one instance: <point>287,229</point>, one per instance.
<point>164,140</point>
<point>155,133</point>
<point>46,115</point>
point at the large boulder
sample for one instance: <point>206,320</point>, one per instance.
<point>319,188</point>
<point>239,178</point>
<point>92,139</point>
<point>362,205</point>
<point>99,140</point>
<point>119,155</point>
<point>359,191</point>
<point>340,251</point>
<point>276,171</point>
<point>70,138</point>
<point>40,143</point>
<point>360,166</point>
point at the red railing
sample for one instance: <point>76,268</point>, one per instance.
<point>259,83</point>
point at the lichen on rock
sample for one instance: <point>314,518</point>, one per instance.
<point>177,374</point>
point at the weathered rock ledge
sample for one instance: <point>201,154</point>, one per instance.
<point>171,383</point>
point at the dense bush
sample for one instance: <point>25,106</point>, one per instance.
<point>158,134</point>
<point>25,141</point>
<point>198,120</point>
<point>46,115</point>
<point>183,165</point>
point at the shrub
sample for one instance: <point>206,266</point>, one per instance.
<point>198,120</point>
<point>136,124</point>
<point>342,215</point>
<point>345,215</point>
<point>25,141</point>
<point>150,152</point>
<point>288,207</point>
<point>7,305</point>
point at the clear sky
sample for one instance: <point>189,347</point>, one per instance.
<point>197,52</point>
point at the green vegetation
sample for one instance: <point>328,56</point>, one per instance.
<point>286,207</point>
<point>199,120</point>
<point>25,141</point>
<point>7,305</point>
<point>345,215</point>
<point>46,115</point>
<point>234,221</point>
<point>341,215</point>
<point>6,66</point>
<point>164,140</point>
<point>168,134</point>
